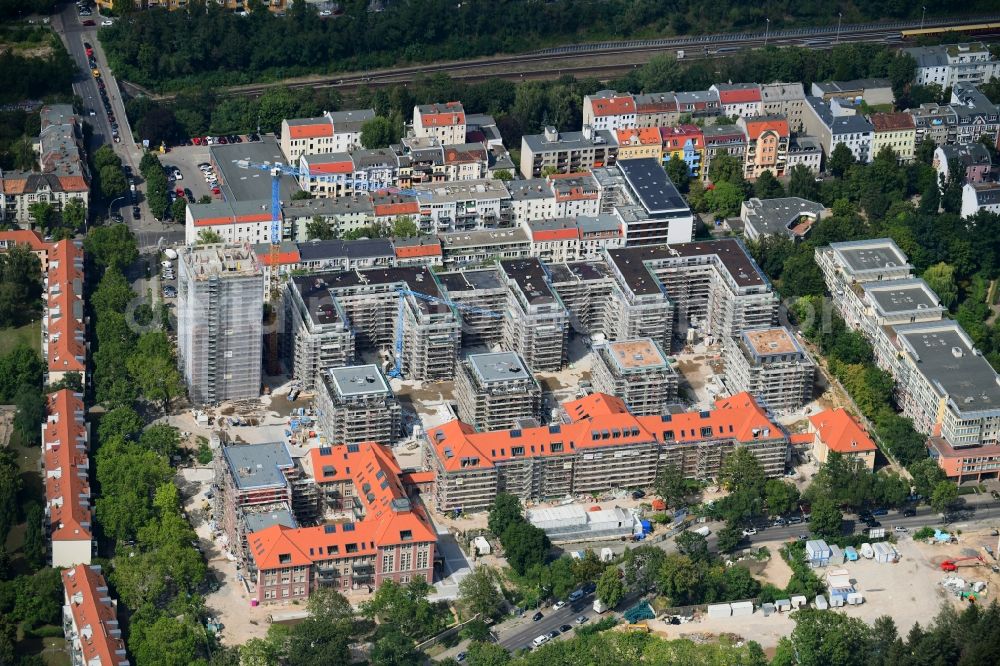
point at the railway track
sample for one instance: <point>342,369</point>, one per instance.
<point>562,60</point>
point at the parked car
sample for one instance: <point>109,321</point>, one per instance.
<point>136,213</point>
<point>750,531</point>
<point>995,494</point>
<point>537,616</point>
<point>554,633</point>
<point>107,22</point>
<point>638,494</point>
<point>908,512</point>
<point>557,605</point>
<point>794,520</point>
<point>460,657</point>
<point>565,628</point>
<point>900,528</point>
<point>880,512</point>
<point>582,619</point>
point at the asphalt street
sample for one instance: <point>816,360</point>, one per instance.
<point>69,27</point>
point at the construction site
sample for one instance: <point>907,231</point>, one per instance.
<point>638,372</point>
<point>771,365</point>
<point>496,391</point>
<point>354,404</point>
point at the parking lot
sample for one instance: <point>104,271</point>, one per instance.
<point>187,158</point>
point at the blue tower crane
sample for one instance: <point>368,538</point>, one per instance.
<point>397,370</point>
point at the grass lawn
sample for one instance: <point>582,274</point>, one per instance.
<point>29,333</point>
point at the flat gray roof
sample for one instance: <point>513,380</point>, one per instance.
<point>871,255</point>
<point>652,185</point>
<point>569,141</point>
<point>355,380</point>
<point>895,296</point>
<point>255,522</point>
<point>946,357</point>
<point>499,367</point>
<point>257,465</point>
<point>250,184</point>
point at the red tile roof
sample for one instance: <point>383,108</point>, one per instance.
<point>66,347</point>
<point>340,166</point>
<point>840,432</point>
<point>649,136</point>
<point>422,250</point>
<point>891,122</point>
<point>312,131</point>
<point>395,205</point>
<point>740,95</point>
<point>32,239</point>
<point>459,446</point>
<point>757,127</point>
<point>442,115</point>
<point>388,512</point>
<point>284,258</point>
<point>64,447</point>
<point>94,615</point>
<point>612,106</point>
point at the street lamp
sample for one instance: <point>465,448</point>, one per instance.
<point>767,31</point>
<point>922,16</point>
<point>840,17</point>
<point>111,205</point>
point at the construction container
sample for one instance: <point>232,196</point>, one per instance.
<point>820,602</point>
<point>883,552</point>
<point>836,555</point>
<point>818,553</point>
<point>783,605</point>
<point>836,601</point>
<point>767,608</point>
<point>798,601</point>
<point>855,599</point>
<point>720,610</point>
<point>742,608</point>
<point>867,551</point>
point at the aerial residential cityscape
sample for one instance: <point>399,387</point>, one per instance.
<point>563,333</point>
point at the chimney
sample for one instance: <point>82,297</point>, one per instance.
<point>588,132</point>
<point>551,134</point>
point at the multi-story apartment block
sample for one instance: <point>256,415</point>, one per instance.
<point>64,324</point>
<point>638,372</point>
<point>949,64</point>
<point>836,430</point>
<point>474,248</point>
<point>656,110</point>
<point>740,99</point>
<point>387,535</point>
<point>496,391</point>
<point>355,404</point>
<point>642,196</point>
<point>977,115</point>
<point>598,232</point>
<point>894,130</point>
<point>980,197</point>
<point>686,142</point>
<point>566,152</point>
<point>634,143</point>
<point>554,240</point>
<point>90,618</point>
<point>30,238</point>
<point>536,324</point>
<point>974,162</point>
<point>65,457</point>
<point>344,214</point>
<point>701,104</point>
<point>874,92</point>
<point>557,196</point>
<point>719,140</point>
<point>771,365</point>
<point>445,122</point>
<point>767,140</point>
<point>787,216</point>
<point>461,206</point>
<point>220,301</point>
<point>833,124</point>
<point>608,111</point>
<point>62,173</point>
<point>596,446</point>
<point>784,99</point>
<point>333,132</point>
<point>935,122</point>
<point>418,251</point>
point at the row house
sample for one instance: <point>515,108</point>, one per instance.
<point>806,151</point>
<point>686,142</point>
<point>656,110</point>
<point>974,162</point>
<point>767,139</point>
<point>743,100</point>
<point>634,143</point>
<point>576,238</point>
<point>700,104</point>
<point>386,535</point>
<point>722,139</point>
<point>897,131</point>
<point>30,238</point>
<point>66,462</point>
<point>457,206</point>
<point>946,65</point>
<point>834,124</point>
<point>418,251</point>
<point>873,92</point>
<point>566,152</point>
<point>333,132</point>
<point>980,197</point>
<point>977,116</point>
<point>557,196</point>
<point>935,122</point>
<point>64,325</point>
<point>595,446</point>
<point>784,99</point>
<point>90,619</point>
<point>445,122</point>
<point>608,111</point>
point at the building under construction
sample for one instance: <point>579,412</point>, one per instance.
<point>220,305</point>
<point>496,391</point>
<point>536,324</point>
<point>485,290</point>
<point>355,404</point>
<point>770,364</point>
<point>373,307</point>
<point>638,372</point>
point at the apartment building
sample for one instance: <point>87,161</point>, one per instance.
<point>66,462</point>
<point>784,99</point>
<point>744,100</point>
<point>897,131</point>
<point>874,92</point>
<point>220,301</point>
<point>609,111</point>
<point>536,324</point>
<point>834,123</point>
<point>597,445</point>
<point>386,534</point>
<point>977,115</point>
<point>344,214</point>
<point>641,195</point>
<point>554,240</point>
<point>598,232</point>
<point>634,143</point>
<point>792,217</point>
<point>686,142</point>
<point>355,404</point>
<point>90,618</point>
<point>496,391</point>
<point>949,64</point>
<point>767,140</point>
<point>770,365</point>
<point>722,140</point>
<point>333,132</point>
<point>418,251</point>
<point>62,173</point>
<point>974,162</point>
<point>805,150</point>
<point>476,248</point>
<point>567,152</point>
<point>935,122</point>
<point>656,110</point>
<point>485,291</point>
<point>444,122</point>
<point>638,372</point>
<point>236,222</point>
<point>980,197</point>
<point>556,196</point>
<point>836,430</point>
<point>462,206</point>
<point>64,323</point>
<point>701,104</point>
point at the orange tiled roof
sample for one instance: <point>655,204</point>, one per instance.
<point>649,136</point>
<point>840,432</point>
<point>442,115</point>
<point>397,207</point>
<point>565,233</point>
<point>423,250</point>
<point>24,237</point>
<point>94,615</point>
<point>457,444</point>
<point>73,184</point>
<point>343,166</point>
<point>66,349</point>
<point>67,490</point>
<point>739,95</point>
<point>283,259</point>
<point>311,131</point>
<point>890,122</point>
<point>388,513</point>
<point>613,106</point>
<point>757,127</point>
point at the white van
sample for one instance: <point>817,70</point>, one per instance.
<point>540,641</point>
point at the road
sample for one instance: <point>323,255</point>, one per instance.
<point>73,33</point>
<point>580,59</point>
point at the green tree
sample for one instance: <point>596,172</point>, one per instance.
<point>24,155</point>
<point>208,237</point>
<point>802,183</point>
<point>406,608</point>
<point>826,520</point>
<point>19,368</point>
<point>112,246</point>
<point>74,213</point>
<point>941,278</point>
<point>674,488</point>
<point>726,168</point>
<point>106,156</point>
<point>610,589</point>
<point>679,172</point>
<point>30,404</point>
<point>767,187</point>
<point>693,545</point>
<point>404,227</point>
<point>113,183</point>
<point>729,537</point>
<point>178,209</point>
<point>926,474</point>
<point>548,170</point>
<point>326,635</point>
<point>487,654</point>
<point>841,159</point>
<point>43,214</point>
<point>504,512</point>
<point>121,422</point>
<point>10,485</point>
<point>739,583</point>
<point>781,497</point>
<point>724,199</point>
<point>679,579</point>
<point>524,545</point>
<point>642,566</point>
<point>301,195</point>
<point>831,639</point>
<point>741,471</point>
<point>157,378</point>
<point>943,497</point>
<point>158,639</point>
<point>161,438</point>
<point>380,132</point>
<point>479,594</point>
<point>391,646</point>
<point>20,289</point>
<point>503,174</point>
